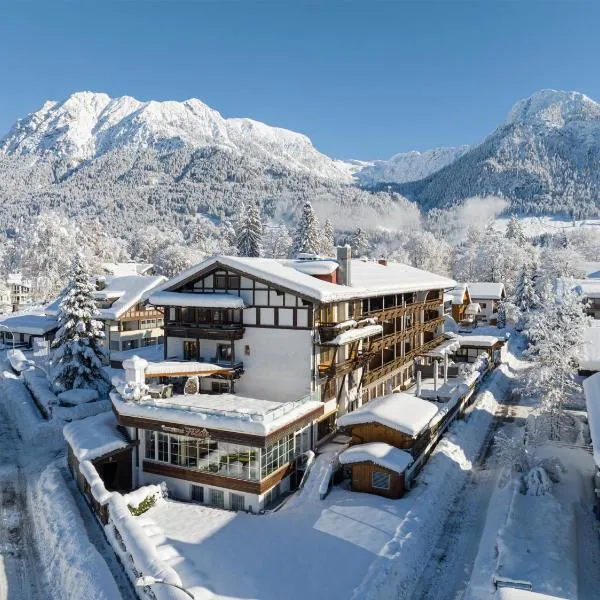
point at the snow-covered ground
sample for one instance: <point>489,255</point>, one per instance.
<point>353,545</point>
<point>533,226</point>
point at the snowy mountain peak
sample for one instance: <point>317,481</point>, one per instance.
<point>87,125</point>
<point>553,108</point>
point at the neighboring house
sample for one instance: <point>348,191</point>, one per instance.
<point>590,293</point>
<point>20,290</point>
<point>458,304</point>
<point>591,388</point>
<point>27,328</point>
<point>6,304</point>
<point>129,322</point>
<point>488,295</point>
<point>286,346</point>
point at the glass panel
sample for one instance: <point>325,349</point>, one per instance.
<point>150,444</point>
<point>163,447</point>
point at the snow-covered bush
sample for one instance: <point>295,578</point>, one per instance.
<point>536,482</point>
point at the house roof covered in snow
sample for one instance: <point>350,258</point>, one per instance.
<point>588,288</point>
<point>95,436</point>
<point>591,388</point>
<point>590,350</point>
<point>30,323</point>
<point>17,279</point>
<point>458,293</point>
<point>368,278</point>
<point>127,268</point>
<point>486,290</point>
<point>378,453</point>
<point>163,298</point>
<point>402,412</point>
<point>479,341</point>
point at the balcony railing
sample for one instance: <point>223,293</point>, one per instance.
<point>220,331</point>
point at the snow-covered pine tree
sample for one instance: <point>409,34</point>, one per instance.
<point>307,238</point>
<point>77,355</point>
<point>359,242</point>
<point>328,245</point>
<point>514,232</point>
<point>249,230</point>
<point>526,297</point>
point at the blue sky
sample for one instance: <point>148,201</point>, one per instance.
<point>361,79</point>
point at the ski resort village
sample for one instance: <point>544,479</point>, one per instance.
<point>286,356</point>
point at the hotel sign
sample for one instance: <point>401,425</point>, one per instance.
<point>198,432</point>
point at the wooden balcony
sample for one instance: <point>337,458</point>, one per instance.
<point>338,369</point>
<point>226,331</point>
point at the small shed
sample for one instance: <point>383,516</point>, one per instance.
<point>377,468</point>
<point>471,346</point>
<point>397,419</point>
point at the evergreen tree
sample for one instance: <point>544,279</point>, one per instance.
<point>526,297</point>
<point>328,245</point>
<point>77,356</point>
<point>249,230</point>
<point>307,238</point>
<point>514,232</point>
<point>359,243</point>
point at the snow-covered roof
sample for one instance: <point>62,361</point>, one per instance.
<point>591,388</point>
<point>353,335</point>
<point>479,341</point>
<point>175,367</point>
<point>398,411</point>
<point>473,308</point>
<point>31,324</point>
<point>225,412</point>
<point>592,269</point>
<point>128,268</point>
<point>320,266</point>
<point>486,290</point>
<point>590,350</point>
<point>17,279</point>
<point>458,293</point>
<point>129,290</point>
<point>508,593</point>
<point>588,288</point>
<point>368,278</point>
<point>378,453</point>
<point>448,347</point>
<point>94,437</point>
<point>197,300</point>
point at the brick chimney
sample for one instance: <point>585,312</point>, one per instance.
<point>383,261</point>
<point>344,259</point>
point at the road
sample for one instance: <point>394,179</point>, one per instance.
<point>20,576</point>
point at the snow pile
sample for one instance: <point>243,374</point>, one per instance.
<point>70,560</point>
<point>354,335</point>
<point>132,542</point>
<point>97,487</point>
<point>197,300</point>
<point>399,411</point>
<point>18,361</point>
<point>94,437</point>
<point>378,453</point>
<point>537,545</point>
<point>78,396</point>
<point>39,387</point>
<point>156,491</point>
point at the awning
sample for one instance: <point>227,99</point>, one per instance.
<point>447,347</point>
<point>169,368</point>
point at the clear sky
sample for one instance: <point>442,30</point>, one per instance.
<point>361,79</point>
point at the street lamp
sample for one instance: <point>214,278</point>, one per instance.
<point>148,580</point>
<point>11,333</point>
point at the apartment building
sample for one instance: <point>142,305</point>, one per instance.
<point>279,348</point>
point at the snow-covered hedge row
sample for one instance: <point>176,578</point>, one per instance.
<point>40,390</point>
<point>137,552</point>
<point>71,561</point>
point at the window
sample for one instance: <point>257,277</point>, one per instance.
<point>233,282</point>
<point>190,350</point>
<point>217,498</point>
<point>380,481</point>
<point>163,447</point>
<point>483,305</point>
<point>220,281</point>
<point>219,387</point>
<point>224,353</point>
<point>197,493</point>
<point>150,444</point>
<point>237,502</point>
<point>115,346</point>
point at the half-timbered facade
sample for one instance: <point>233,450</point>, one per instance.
<point>290,332</point>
